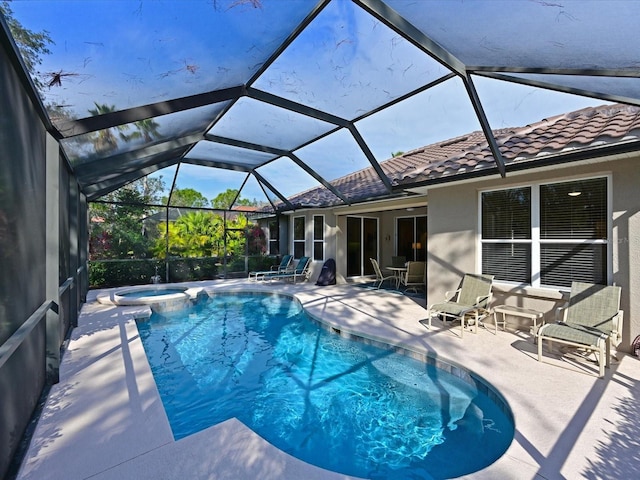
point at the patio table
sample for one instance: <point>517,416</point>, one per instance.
<point>397,273</point>
<point>527,313</point>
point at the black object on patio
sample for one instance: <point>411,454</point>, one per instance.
<point>327,274</point>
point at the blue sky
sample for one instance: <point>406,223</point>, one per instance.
<point>128,53</point>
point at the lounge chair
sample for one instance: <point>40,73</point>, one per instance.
<point>592,320</point>
<point>379,275</point>
<point>282,267</point>
<point>301,271</point>
<point>472,298</point>
<point>414,276</point>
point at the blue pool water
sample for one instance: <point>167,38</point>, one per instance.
<point>335,403</point>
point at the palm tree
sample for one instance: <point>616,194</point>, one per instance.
<point>105,141</point>
<point>196,234</point>
<point>146,129</point>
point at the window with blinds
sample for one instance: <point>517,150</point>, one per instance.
<point>506,234</point>
<point>573,232</point>
<point>548,234</point>
<point>574,210</point>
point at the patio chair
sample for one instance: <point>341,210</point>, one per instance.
<point>379,275</point>
<point>398,261</point>
<point>414,276</point>
<point>301,271</point>
<point>592,320</point>
<point>471,299</point>
<point>280,268</point>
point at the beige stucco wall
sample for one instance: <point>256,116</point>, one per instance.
<point>341,248</point>
<point>453,238</point>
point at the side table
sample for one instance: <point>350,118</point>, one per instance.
<point>528,313</point>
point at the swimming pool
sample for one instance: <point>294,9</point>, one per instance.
<point>335,403</point>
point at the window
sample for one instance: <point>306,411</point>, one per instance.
<point>274,238</point>
<point>318,237</point>
<point>506,234</point>
<point>546,235</point>
<point>573,232</point>
<point>298,237</point>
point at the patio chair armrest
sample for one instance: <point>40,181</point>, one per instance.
<point>616,331</point>
<point>561,312</point>
<point>448,295</point>
<point>484,299</point>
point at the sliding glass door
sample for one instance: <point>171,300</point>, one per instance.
<point>412,237</point>
<point>362,244</point>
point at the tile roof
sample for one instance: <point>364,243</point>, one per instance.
<point>470,154</point>
<point>580,130</point>
<point>365,184</point>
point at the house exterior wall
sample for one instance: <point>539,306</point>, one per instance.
<point>389,233</point>
<point>626,251</point>
<point>387,243</point>
<point>331,235</point>
<point>330,238</point>
<point>341,249</point>
<point>386,227</point>
<point>453,244</point>
<point>386,237</point>
<point>336,226</point>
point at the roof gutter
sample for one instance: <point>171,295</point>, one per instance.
<point>388,202</point>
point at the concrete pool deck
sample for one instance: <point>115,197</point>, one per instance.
<point>105,420</point>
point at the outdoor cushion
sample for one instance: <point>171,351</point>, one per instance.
<point>574,333</point>
<point>452,308</point>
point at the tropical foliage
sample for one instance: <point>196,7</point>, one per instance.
<point>196,234</point>
<point>186,197</point>
<point>256,240</point>
<point>117,229</point>
<point>230,198</point>
<point>202,234</point>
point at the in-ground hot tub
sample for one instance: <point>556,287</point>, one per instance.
<point>157,297</point>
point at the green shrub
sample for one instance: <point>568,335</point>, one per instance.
<point>119,273</point>
<point>190,269</point>
<point>97,274</point>
<point>262,263</point>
